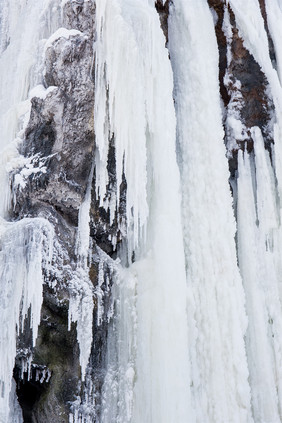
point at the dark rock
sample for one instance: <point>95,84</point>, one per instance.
<point>163,11</point>
<point>80,15</point>
<point>218,8</point>
<point>252,102</point>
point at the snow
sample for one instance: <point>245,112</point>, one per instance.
<point>41,92</point>
<point>61,33</point>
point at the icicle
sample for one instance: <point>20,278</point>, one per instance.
<point>81,288</point>
<point>258,272</point>
<point>262,275</point>
<point>26,247</point>
<point>120,81</point>
<point>81,312</point>
<point>134,107</point>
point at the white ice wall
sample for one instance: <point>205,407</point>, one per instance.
<point>220,386</point>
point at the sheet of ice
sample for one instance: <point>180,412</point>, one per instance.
<point>134,107</point>
<point>15,415</point>
<point>117,394</point>
<point>220,388</point>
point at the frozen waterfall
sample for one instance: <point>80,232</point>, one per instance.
<point>186,282</point>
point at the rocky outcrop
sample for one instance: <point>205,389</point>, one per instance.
<point>243,86</point>
<point>58,148</point>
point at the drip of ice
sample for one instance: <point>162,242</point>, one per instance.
<point>81,288</point>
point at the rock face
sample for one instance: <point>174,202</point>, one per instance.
<point>59,142</point>
<point>60,130</point>
<point>243,85</point>
<point>59,147</point>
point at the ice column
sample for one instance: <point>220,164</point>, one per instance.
<point>220,386</point>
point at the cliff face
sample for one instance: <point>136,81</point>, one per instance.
<point>59,139</point>
<point>57,181</point>
<point>59,146</point>
<point>243,86</point>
